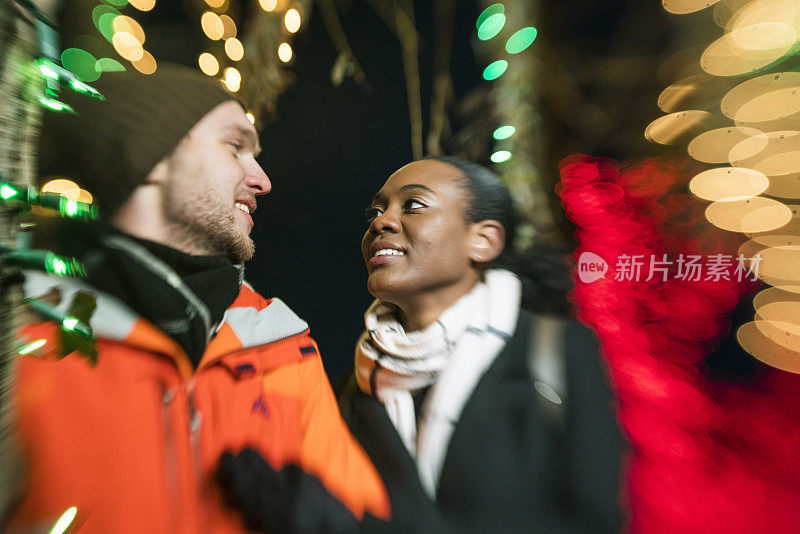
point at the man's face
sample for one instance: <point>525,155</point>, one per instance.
<point>211,185</point>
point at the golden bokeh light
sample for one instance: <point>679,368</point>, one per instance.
<point>146,64</point>
<point>770,107</point>
<point>786,235</point>
<point>127,46</point>
<point>268,5</point>
<point>208,64</point>
<point>228,26</point>
<point>728,184</point>
<point>234,48</point>
<point>761,46</point>
<point>143,5</point>
<point>756,343</point>
<point>691,92</point>
<point>250,117</point>
<point>215,3</point>
<point>756,214</point>
<point>292,20</point>
<point>680,7</point>
<point>232,79</point>
<point>749,90</point>
<point>85,196</point>
<point>285,52</point>
<point>673,128</point>
<point>773,154</point>
<point>764,12</point>
<point>778,265</point>
<point>212,25</point>
<point>714,146</point>
<point>62,186</point>
<point>126,24</point>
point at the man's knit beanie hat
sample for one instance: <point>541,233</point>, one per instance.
<point>110,146</point>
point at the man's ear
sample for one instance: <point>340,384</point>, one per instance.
<point>159,173</point>
<point>486,242</point>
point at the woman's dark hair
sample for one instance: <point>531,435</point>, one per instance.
<point>543,267</point>
<point>487,197</point>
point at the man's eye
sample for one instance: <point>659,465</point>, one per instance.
<point>372,213</point>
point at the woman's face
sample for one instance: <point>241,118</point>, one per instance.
<point>417,241</point>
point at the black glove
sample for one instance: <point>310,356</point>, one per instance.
<point>288,501</point>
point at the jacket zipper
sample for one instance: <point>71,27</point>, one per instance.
<point>195,422</point>
<point>171,456</point>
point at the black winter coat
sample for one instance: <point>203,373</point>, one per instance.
<point>517,462</point>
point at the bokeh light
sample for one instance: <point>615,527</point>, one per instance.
<point>250,117</point>
<point>268,5</point>
<point>285,52</point>
<point>127,46</point>
<point>756,214</point>
<point>232,79</point>
<point>143,5</point>
<point>521,40</point>
<point>673,128</point>
<point>495,70</point>
<point>215,3</point>
<point>491,26</point>
<point>65,521</point>
<point>680,7</point>
<point>504,132</point>
<point>292,20</point>
<point>63,187</point>
<point>107,64</point>
<point>146,64</point>
<point>208,64</point>
<point>228,26</point>
<point>714,146</point>
<point>81,63</point>
<point>103,17</point>
<point>500,156</point>
<point>234,48</point>
<point>123,23</point>
<point>493,9</point>
<point>212,25</point>
<point>728,184</point>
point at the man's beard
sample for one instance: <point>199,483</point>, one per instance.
<point>205,227</point>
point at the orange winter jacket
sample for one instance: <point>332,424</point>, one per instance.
<point>133,443</point>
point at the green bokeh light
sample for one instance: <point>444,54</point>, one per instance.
<point>103,17</point>
<point>64,521</point>
<point>491,26</point>
<point>55,105</point>
<point>7,192</point>
<point>504,132</point>
<point>30,347</point>
<point>521,40</point>
<point>81,63</point>
<point>495,70</point>
<point>500,156</point>
<point>106,64</point>
<point>493,9</point>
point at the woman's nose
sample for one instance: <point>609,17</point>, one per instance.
<point>385,222</point>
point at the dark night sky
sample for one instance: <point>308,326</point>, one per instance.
<point>328,151</point>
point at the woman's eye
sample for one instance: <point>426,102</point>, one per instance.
<point>412,204</point>
<point>372,213</point>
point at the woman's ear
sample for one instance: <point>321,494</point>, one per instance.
<point>486,242</point>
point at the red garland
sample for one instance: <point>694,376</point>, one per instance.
<point>707,457</point>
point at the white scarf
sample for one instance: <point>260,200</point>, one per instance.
<point>451,355</point>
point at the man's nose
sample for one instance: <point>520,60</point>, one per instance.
<point>258,181</point>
